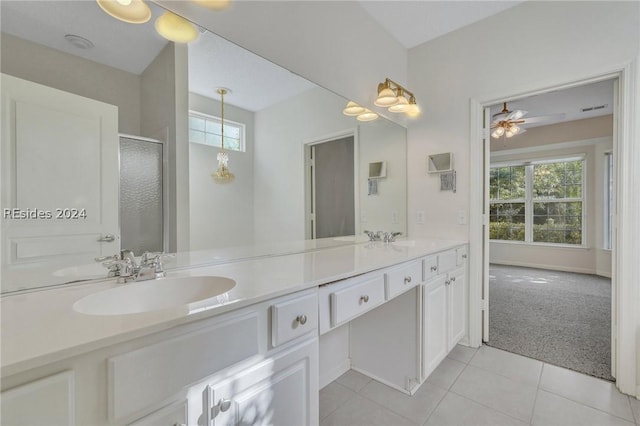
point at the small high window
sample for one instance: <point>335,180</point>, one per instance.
<point>207,130</point>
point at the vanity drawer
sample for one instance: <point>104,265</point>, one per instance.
<point>356,299</point>
<point>400,279</point>
<point>430,265</point>
<point>447,261</point>
<point>293,318</point>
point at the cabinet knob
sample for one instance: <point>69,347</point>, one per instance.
<point>407,280</point>
<point>365,298</point>
<point>224,404</point>
<point>452,279</point>
<point>447,282</point>
<point>302,319</point>
<point>434,268</point>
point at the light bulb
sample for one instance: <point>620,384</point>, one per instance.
<point>498,132</point>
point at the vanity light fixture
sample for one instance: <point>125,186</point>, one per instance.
<point>131,11</point>
<point>353,109</point>
<point>176,28</point>
<point>222,175</point>
<point>214,4</point>
<point>367,115</point>
<point>396,98</point>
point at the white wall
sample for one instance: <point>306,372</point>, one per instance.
<point>335,44</point>
<point>34,62</point>
<point>221,214</point>
<point>279,175</point>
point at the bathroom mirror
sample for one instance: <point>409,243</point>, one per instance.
<point>155,85</point>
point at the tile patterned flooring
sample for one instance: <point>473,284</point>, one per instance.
<point>485,386</point>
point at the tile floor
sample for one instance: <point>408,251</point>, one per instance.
<point>483,386</point>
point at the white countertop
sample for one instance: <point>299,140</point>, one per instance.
<point>41,327</point>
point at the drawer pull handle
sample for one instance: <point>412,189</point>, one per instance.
<point>447,282</point>
<point>224,405</point>
<point>452,279</point>
<point>364,298</point>
<point>302,319</point>
<point>407,280</point>
<point>464,256</point>
<point>434,268</point>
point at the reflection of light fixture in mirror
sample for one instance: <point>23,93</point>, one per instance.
<point>353,109</point>
<point>176,28</point>
<point>131,11</point>
<point>214,4</point>
<point>396,98</point>
<point>367,115</point>
<point>222,175</point>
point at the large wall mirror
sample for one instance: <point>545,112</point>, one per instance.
<point>135,170</point>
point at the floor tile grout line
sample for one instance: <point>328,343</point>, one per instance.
<point>588,406</point>
<point>435,408</point>
<point>486,406</point>
<point>342,403</point>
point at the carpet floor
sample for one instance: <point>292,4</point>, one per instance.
<point>561,318</point>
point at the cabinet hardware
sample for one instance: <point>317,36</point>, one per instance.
<point>447,282</point>
<point>365,298</point>
<point>434,268</point>
<point>302,319</point>
<point>109,238</point>
<point>407,280</point>
<point>452,279</point>
<point>224,404</point>
<point>464,256</point>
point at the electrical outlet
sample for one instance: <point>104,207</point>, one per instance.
<point>420,217</point>
<point>394,217</point>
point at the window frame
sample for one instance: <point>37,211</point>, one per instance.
<point>529,200</point>
<point>608,207</point>
<point>209,117</point>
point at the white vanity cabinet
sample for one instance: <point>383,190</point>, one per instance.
<point>280,390</point>
<point>444,308</point>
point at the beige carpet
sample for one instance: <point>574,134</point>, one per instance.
<point>561,318</point>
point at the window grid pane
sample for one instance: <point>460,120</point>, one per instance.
<point>208,131</point>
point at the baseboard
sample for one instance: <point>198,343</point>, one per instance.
<point>385,382</point>
<point>549,267</point>
<point>606,274</point>
<point>337,371</point>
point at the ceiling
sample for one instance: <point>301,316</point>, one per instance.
<point>415,22</point>
<point>215,62</point>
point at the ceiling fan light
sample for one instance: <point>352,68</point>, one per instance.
<point>175,28</point>
<point>401,106</point>
<point>499,131</point>
<point>386,98</point>
<point>132,12</point>
<point>367,115</point>
<point>353,109</point>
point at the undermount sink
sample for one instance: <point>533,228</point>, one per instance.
<point>153,295</point>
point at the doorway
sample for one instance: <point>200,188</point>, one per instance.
<point>540,234</point>
<point>331,187</point>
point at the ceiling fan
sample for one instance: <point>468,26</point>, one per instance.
<point>508,123</point>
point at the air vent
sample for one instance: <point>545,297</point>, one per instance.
<point>594,108</point>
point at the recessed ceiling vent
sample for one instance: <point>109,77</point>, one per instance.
<point>79,42</point>
<point>594,108</point>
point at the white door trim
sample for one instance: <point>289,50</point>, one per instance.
<point>626,269</point>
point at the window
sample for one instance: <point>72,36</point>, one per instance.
<point>207,130</point>
<point>537,202</point>
<point>608,200</point>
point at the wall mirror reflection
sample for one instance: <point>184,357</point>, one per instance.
<point>119,136</point>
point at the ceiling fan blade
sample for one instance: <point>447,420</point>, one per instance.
<point>542,118</point>
<point>515,115</point>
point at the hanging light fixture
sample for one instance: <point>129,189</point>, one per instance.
<point>175,28</point>
<point>222,175</point>
<point>131,11</point>
<point>505,123</point>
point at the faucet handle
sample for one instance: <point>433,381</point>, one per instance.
<point>119,268</point>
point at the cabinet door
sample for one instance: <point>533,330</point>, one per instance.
<point>435,324</point>
<point>48,401</point>
<point>457,296</point>
<point>282,390</point>
<point>172,415</point>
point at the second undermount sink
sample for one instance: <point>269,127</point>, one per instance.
<point>153,295</point>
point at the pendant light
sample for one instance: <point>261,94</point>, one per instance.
<point>222,175</point>
<point>131,11</point>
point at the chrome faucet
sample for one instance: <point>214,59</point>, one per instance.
<point>125,267</point>
<point>373,236</point>
<point>389,237</point>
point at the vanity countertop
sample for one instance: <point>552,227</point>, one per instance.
<point>40,327</point>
